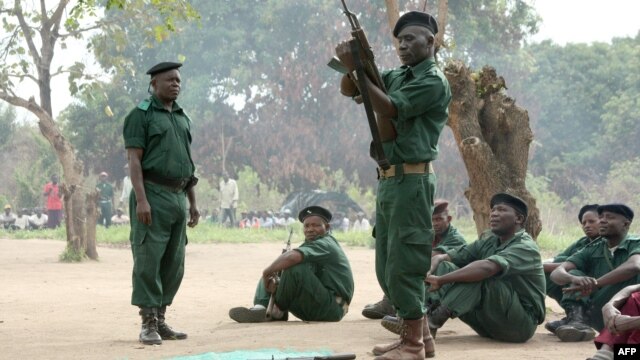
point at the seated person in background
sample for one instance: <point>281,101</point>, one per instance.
<point>245,221</point>
<point>268,220</point>
<point>621,317</point>
<point>361,223</point>
<point>495,284</point>
<point>597,272</point>
<point>38,220</point>
<point>588,217</point>
<point>286,219</point>
<point>214,218</point>
<point>446,237</point>
<point>7,219</point>
<point>316,282</point>
<point>22,221</point>
<point>119,218</point>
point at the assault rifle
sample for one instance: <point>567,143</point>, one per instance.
<point>273,294</point>
<point>365,66</point>
<point>342,356</point>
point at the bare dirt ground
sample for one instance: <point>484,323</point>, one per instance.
<point>51,310</point>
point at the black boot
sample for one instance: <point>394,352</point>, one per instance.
<point>552,326</point>
<point>437,317</point>
<point>149,332</point>
<point>379,309</point>
<point>165,331</point>
<point>577,328</point>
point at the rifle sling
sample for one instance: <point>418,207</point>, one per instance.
<point>366,100</point>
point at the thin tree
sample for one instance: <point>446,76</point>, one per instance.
<point>27,53</point>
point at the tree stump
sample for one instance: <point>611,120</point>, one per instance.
<point>493,137</point>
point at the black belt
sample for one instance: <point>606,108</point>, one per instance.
<point>173,184</point>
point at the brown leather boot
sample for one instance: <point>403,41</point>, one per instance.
<point>410,346</point>
<point>427,339</point>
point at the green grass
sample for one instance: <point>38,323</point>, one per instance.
<point>549,242</point>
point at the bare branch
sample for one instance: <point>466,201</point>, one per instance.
<point>22,76</point>
<point>30,105</point>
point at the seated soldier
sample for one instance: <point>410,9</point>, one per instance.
<point>621,317</point>
<point>495,284</point>
<point>446,238</point>
<point>38,220</point>
<point>588,217</point>
<point>316,282</point>
<point>597,272</point>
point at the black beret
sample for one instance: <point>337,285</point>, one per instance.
<point>621,209</point>
<point>162,67</point>
<point>513,201</point>
<point>439,206</point>
<point>587,208</point>
<point>416,18</point>
<point>314,210</point>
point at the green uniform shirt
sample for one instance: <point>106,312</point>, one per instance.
<point>573,248</point>
<point>164,136</point>
<point>105,191</point>
<point>421,94</point>
<point>595,259</point>
<point>331,265</point>
<point>519,259</point>
<point>449,240</point>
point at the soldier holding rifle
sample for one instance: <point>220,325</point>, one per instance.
<point>410,117</point>
<point>316,282</point>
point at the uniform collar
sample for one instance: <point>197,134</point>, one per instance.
<point>515,237</point>
<point>159,105</point>
<point>420,67</point>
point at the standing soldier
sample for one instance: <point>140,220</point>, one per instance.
<point>410,118</point>
<point>157,135</point>
<point>105,199</point>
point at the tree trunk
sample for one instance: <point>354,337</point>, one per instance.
<point>91,200</point>
<point>493,136</point>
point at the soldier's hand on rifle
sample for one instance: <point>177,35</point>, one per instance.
<point>343,52</point>
<point>271,283</point>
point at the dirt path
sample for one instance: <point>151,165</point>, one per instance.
<point>50,310</point>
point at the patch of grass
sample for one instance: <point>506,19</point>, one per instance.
<point>550,242</point>
<point>69,255</point>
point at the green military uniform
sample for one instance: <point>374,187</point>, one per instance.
<point>508,306</point>
<point>595,260</point>
<point>158,249</point>
<point>404,203</point>
<point>105,200</point>
<point>554,290</point>
<point>320,288</point>
<point>449,240</point>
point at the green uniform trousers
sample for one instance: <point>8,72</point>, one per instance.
<point>404,235</point>
<point>490,307</point>
<point>595,301</point>
<point>105,213</point>
<point>158,249</point>
<point>301,293</point>
<point>554,290</point>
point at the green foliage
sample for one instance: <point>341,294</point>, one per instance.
<point>30,176</point>
<point>7,124</point>
<point>69,255</point>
